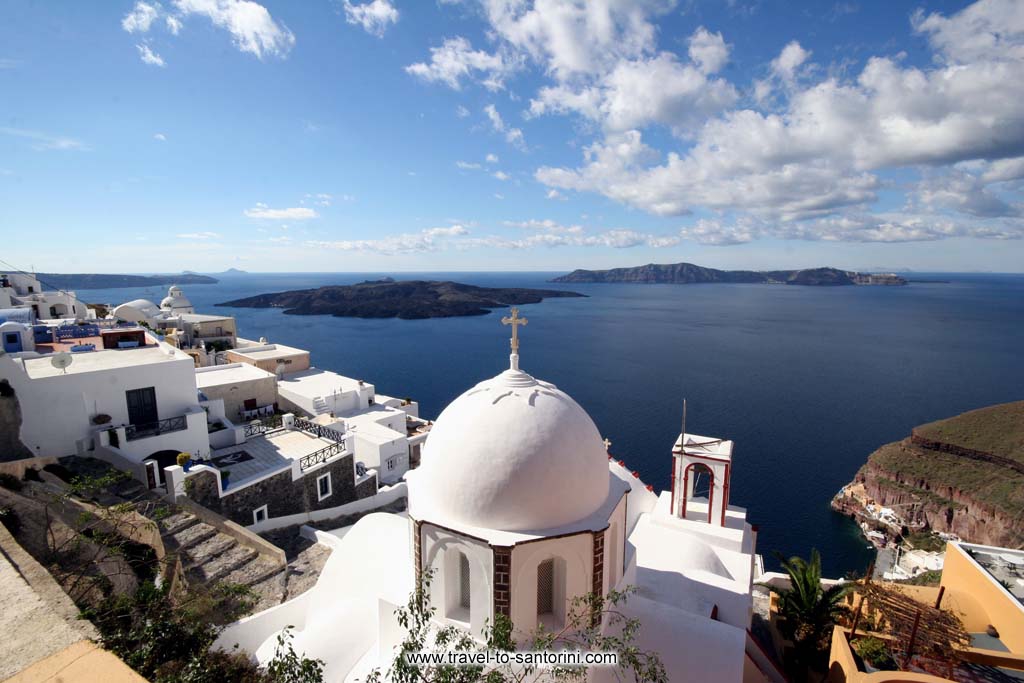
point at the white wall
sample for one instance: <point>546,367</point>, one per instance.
<point>574,560</point>
<point>438,552</point>
<point>57,411</point>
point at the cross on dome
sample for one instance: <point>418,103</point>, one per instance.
<point>515,321</point>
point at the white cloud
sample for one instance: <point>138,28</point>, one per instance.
<point>498,196</point>
<point>811,165</point>
<point>373,16</point>
<point>501,175</point>
<point>148,56</point>
<point>468,166</point>
<point>577,37</point>
<point>141,18</point>
<point>456,60</point>
<point>789,60</point>
<point>322,198</point>
<point>461,112</point>
<point>708,51</point>
<point>46,142</point>
<point>425,240</point>
<point>514,136</point>
<point>555,194</point>
<point>297,213</point>
<point>252,28</point>
<point>8,63</point>
<point>199,235</point>
<point>491,158</point>
<point>160,136</point>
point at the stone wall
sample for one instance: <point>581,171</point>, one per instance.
<point>279,493</point>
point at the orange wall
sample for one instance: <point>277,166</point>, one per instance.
<point>980,600</point>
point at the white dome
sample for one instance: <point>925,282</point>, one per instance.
<point>175,299</point>
<point>136,309</point>
<point>512,454</point>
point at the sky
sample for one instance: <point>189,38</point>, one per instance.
<point>458,135</point>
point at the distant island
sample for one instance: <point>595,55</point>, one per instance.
<point>963,475</point>
<point>233,271</point>
<point>409,299</point>
<point>688,273</point>
<point>102,281</point>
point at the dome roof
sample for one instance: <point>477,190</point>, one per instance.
<point>513,454</point>
<point>175,299</point>
<point>146,308</point>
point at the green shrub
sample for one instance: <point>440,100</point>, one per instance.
<point>875,652</point>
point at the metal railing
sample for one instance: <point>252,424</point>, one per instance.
<point>320,456</point>
<point>150,429</point>
<point>319,430</point>
<point>256,428</point>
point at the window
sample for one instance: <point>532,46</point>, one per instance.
<point>250,404</point>
<point>465,599</point>
<point>546,587</point>
<point>259,514</point>
<point>323,486</point>
<point>390,464</point>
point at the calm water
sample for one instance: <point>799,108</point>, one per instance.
<point>806,380</point>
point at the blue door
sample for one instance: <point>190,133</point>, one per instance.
<point>12,342</point>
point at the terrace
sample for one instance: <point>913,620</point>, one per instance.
<point>268,450</point>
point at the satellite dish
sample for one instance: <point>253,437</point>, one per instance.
<point>62,360</point>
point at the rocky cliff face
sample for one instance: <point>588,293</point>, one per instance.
<point>923,504</point>
<point>939,479</point>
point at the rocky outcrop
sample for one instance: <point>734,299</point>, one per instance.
<point>688,273</point>
<point>933,481</point>
<point>409,299</point>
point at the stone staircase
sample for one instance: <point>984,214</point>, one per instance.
<point>209,557</point>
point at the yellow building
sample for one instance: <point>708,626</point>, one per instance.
<point>984,587</point>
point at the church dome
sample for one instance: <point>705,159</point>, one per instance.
<point>175,300</point>
<point>513,454</point>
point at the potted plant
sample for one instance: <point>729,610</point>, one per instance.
<point>100,419</point>
<point>875,653</point>
<point>225,476</point>
<point>184,461</point>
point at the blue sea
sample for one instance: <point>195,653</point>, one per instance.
<point>807,381</point>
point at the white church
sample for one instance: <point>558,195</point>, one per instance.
<point>518,508</point>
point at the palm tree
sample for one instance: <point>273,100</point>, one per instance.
<point>810,610</point>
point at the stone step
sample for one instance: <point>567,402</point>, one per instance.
<point>269,592</point>
<point>222,565</point>
<point>192,534</point>
<point>177,522</point>
<point>255,572</point>
<point>206,550</point>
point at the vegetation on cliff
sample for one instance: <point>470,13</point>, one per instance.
<point>962,475</point>
<point>409,299</point>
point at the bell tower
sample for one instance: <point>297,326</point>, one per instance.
<point>701,468</point>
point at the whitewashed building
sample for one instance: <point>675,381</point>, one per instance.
<point>22,290</point>
<point>518,509</point>
<point>120,395</point>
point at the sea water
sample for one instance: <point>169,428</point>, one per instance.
<point>807,381</point>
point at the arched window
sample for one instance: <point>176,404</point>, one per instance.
<point>464,585</point>
<point>546,588</point>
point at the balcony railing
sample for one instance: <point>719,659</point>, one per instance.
<point>320,456</point>
<point>261,427</point>
<point>151,429</point>
<point>318,430</point>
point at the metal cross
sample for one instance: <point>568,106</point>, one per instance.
<point>515,321</point>
<point>607,444</point>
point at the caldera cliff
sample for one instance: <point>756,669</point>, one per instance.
<point>963,475</point>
